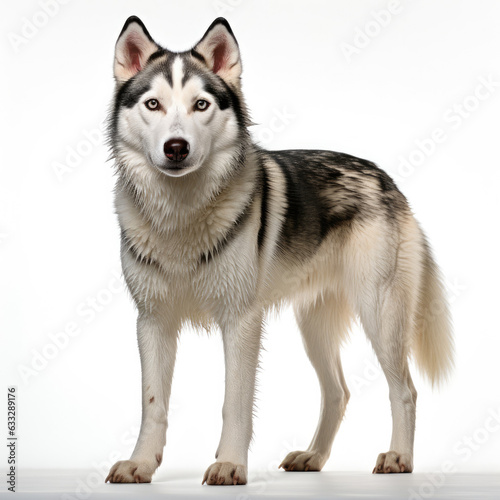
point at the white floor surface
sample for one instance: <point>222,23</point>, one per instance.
<point>81,484</point>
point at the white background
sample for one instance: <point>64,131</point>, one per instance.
<point>59,243</point>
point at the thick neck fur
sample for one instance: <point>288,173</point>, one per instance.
<point>182,218</point>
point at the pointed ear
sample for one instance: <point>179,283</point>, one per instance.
<point>133,48</point>
<point>219,49</point>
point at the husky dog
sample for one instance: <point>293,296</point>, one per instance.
<point>217,231</point>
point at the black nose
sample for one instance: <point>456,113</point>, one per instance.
<point>176,149</point>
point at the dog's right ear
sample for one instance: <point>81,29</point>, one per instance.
<point>133,48</point>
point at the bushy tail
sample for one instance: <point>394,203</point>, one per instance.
<point>433,345</point>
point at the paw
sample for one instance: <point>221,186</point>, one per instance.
<point>393,462</point>
<point>221,473</point>
<point>128,471</point>
<point>303,461</point>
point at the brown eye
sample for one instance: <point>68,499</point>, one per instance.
<point>201,105</point>
<point>152,104</point>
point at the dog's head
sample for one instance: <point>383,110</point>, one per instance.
<point>177,110</point>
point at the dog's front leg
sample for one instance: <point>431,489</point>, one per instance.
<point>241,351</point>
<point>157,346</point>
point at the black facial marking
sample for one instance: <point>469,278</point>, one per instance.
<point>131,91</point>
<point>189,72</point>
<point>165,68</point>
<point>127,95</point>
<point>198,56</point>
<point>156,55</point>
<point>222,96</point>
<point>212,83</point>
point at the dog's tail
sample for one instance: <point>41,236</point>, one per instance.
<point>433,346</point>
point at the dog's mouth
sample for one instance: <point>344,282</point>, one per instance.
<point>177,170</point>
<point>173,169</point>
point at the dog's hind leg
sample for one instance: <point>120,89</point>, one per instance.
<point>323,326</point>
<point>387,323</point>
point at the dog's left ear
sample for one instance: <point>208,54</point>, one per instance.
<point>219,49</point>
